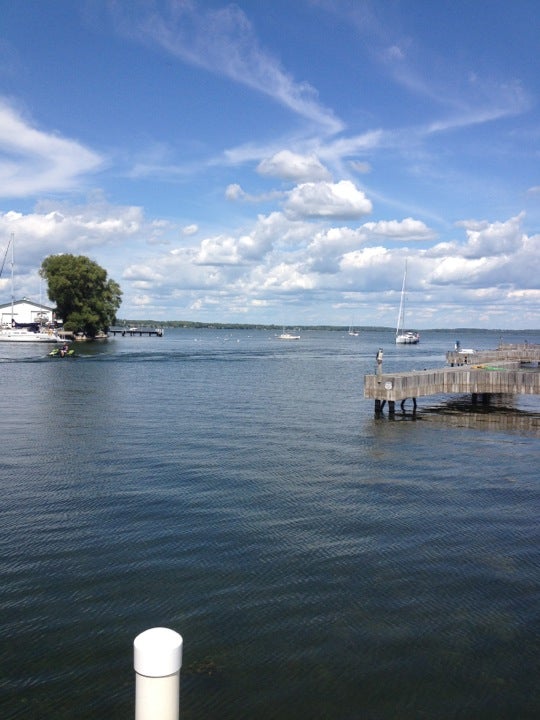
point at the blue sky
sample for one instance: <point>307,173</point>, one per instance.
<point>277,161</point>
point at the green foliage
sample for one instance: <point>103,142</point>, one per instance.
<point>85,298</point>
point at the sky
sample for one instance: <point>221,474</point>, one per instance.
<point>278,162</point>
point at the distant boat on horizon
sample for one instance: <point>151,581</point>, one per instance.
<point>288,336</point>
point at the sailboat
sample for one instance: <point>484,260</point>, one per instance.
<point>287,336</point>
<point>27,332</point>
<point>353,332</point>
<point>404,337</point>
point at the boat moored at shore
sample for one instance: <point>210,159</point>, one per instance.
<point>29,334</point>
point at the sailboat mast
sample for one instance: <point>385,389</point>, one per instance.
<point>402,303</point>
<point>12,284</point>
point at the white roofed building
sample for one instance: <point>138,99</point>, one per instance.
<point>24,312</point>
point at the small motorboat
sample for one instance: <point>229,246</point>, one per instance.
<point>62,352</point>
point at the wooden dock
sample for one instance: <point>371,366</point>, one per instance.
<point>510,370</point>
<point>523,353</point>
<point>135,331</point>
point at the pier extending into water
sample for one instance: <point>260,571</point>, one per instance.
<point>510,370</point>
<point>133,331</point>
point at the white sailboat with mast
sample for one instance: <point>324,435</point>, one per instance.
<point>404,337</point>
<point>286,335</point>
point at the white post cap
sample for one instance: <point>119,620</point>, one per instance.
<point>157,652</point>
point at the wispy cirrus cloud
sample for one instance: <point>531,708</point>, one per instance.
<point>33,161</point>
<point>484,102</point>
<point>223,41</point>
<point>300,158</point>
<point>469,97</point>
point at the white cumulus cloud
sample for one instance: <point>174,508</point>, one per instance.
<point>327,200</point>
<point>487,239</point>
<point>407,229</point>
<point>292,166</point>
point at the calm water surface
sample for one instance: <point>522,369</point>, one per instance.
<point>318,562</point>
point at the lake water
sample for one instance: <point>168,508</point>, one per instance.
<point>319,563</point>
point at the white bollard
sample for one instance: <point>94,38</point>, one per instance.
<point>157,658</point>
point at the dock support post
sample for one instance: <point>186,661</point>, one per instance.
<point>402,404</point>
<point>157,659</point>
<point>391,407</point>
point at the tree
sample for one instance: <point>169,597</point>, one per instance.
<point>85,299</point>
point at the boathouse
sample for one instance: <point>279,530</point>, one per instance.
<point>25,311</point>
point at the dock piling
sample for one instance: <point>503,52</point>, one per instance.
<point>157,659</point>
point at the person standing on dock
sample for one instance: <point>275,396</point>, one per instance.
<point>379,358</point>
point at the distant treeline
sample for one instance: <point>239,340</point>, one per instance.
<point>230,326</point>
<point>250,326</point>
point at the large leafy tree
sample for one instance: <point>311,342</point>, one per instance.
<point>85,298</point>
